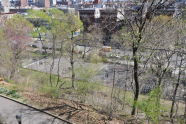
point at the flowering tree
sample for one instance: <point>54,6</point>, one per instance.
<point>17,34</point>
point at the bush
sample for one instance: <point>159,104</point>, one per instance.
<point>85,88</point>
<point>53,92</point>
<point>95,58</point>
<point>11,93</point>
<point>86,73</point>
<point>151,106</point>
<point>104,60</point>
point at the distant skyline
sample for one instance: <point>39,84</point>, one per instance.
<point>103,0</point>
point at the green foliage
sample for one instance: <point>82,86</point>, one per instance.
<point>17,33</point>
<point>58,23</point>
<point>53,21</point>
<point>11,93</point>
<point>39,31</point>
<point>181,120</point>
<point>74,23</point>
<point>37,14</point>
<point>86,73</point>
<point>41,84</point>
<point>84,88</point>
<point>39,17</point>
<point>95,58</point>
<point>17,28</point>
<point>104,60</point>
<point>53,92</point>
<point>151,106</point>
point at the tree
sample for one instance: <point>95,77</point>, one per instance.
<point>150,107</point>
<point>39,19</point>
<point>52,22</point>
<point>74,25</point>
<point>61,28</point>
<point>167,46</point>
<point>58,34</point>
<point>180,46</point>
<point>160,60</point>
<point>17,31</point>
<point>136,24</point>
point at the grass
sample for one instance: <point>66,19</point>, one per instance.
<point>38,54</point>
<point>39,81</point>
<point>35,54</point>
<point>91,93</point>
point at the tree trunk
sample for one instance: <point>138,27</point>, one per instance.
<point>58,65</point>
<point>12,73</point>
<point>136,80</point>
<point>53,59</point>
<point>112,92</point>
<point>72,65</point>
<point>15,65</point>
<point>72,60</point>
<point>84,49</point>
<point>185,105</point>
<point>175,90</point>
<point>84,52</point>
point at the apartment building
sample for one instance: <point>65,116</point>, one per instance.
<point>42,3</point>
<point>24,3</point>
<point>6,5</point>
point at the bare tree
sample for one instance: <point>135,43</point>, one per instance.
<point>180,62</point>
<point>136,25</point>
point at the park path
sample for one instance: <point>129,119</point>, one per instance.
<point>44,65</point>
<point>10,109</point>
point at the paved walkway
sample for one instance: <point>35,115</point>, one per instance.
<point>10,109</point>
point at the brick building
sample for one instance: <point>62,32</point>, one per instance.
<point>42,3</point>
<point>47,3</point>
<point>24,3</point>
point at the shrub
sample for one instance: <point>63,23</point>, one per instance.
<point>86,73</point>
<point>11,93</point>
<point>94,58</point>
<point>53,92</point>
<point>104,60</point>
<point>85,88</point>
<point>151,106</point>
